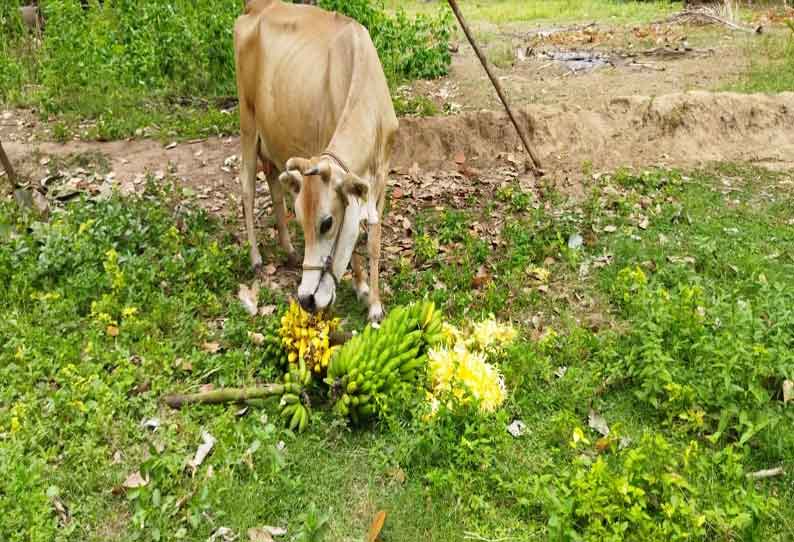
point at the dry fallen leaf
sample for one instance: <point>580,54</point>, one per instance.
<point>61,510</point>
<point>596,421</point>
<point>517,428</point>
<point>224,534</point>
<point>602,444</point>
<point>540,274</point>
<point>788,391</point>
<point>267,310</point>
<point>270,269</point>
<point>249,297</point>
<point>265,534</point>
<point>203,450</point>
<point>481,279</point>
<point>459,157</point>
<point>259,534</point>
<point>151,423</point>
<point>376,526</point>
<point>397,474</point>
<point>211,347</point>
<point>256,338</point>
<point>135,480</point>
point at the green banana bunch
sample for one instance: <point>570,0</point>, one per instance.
<point>294,408</point>
<point>273,347</point>
<point>373,364</point>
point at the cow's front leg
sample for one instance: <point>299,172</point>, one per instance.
<point>248,143</point>
<point>373,248</point>
<point>280,211</point>
<point>360,278</point>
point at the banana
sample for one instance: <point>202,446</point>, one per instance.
<point>288,410</point>
<point>366,410</point>
<point>304,421</point>
<point>289,399</point>
<point>296,416</point>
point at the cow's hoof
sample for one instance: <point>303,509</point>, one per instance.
<point>376,313</point>
<point>293,260</point>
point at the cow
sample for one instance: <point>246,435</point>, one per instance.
<point>315,108</point>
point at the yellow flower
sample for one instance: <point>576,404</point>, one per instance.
<point>491,334</point>
<point>466,375</point>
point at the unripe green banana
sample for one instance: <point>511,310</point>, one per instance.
<point>296,417</point>
<point>288,399</point>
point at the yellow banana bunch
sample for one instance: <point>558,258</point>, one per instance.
<point>307,336</point>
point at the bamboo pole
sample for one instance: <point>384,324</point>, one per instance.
<point>224,395</point>
<point>456,10</point>
<point>12,176</point>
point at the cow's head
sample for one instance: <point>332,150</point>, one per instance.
<point>329,203</point>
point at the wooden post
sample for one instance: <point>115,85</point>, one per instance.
<point>535,162</point>
<point>6,163</point>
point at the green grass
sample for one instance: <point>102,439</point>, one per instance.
<point>685,358</point>
<point>518,11</point>
<point>771,64</point>
<point>123,67</point>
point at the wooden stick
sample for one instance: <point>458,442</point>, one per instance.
<point>729,24</point>
<point>12,176</point>
<point>223,395</point>
<point>456,10</point>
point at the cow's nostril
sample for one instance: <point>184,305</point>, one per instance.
<point>307,302</point>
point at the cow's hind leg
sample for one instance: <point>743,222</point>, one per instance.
<point>248,144</point>
<point>280,212</point>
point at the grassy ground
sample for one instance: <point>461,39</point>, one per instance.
<point>517,11</point>
<point>673,320</point>
<point>771,65</point>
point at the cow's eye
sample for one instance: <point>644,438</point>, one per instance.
<point>325,225</point>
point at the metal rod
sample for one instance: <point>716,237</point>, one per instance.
<point>456,10</point>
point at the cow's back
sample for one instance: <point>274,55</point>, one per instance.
<point>295,69</point>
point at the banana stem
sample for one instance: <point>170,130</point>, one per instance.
<point>338,338</point>
<point>224,395</point>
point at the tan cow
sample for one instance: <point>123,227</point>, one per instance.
<point>314,103</point>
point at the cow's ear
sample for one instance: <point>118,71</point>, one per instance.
<point>292,180</point>
<point>356,187</point>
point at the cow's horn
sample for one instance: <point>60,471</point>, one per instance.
<point>297,164</point>
<point>323,169</point>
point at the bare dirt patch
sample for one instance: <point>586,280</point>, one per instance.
<point>684,129</point>
<point>525,64</point>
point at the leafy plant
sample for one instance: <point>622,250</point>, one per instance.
<point>647,492</point>
<point>127,64</point>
